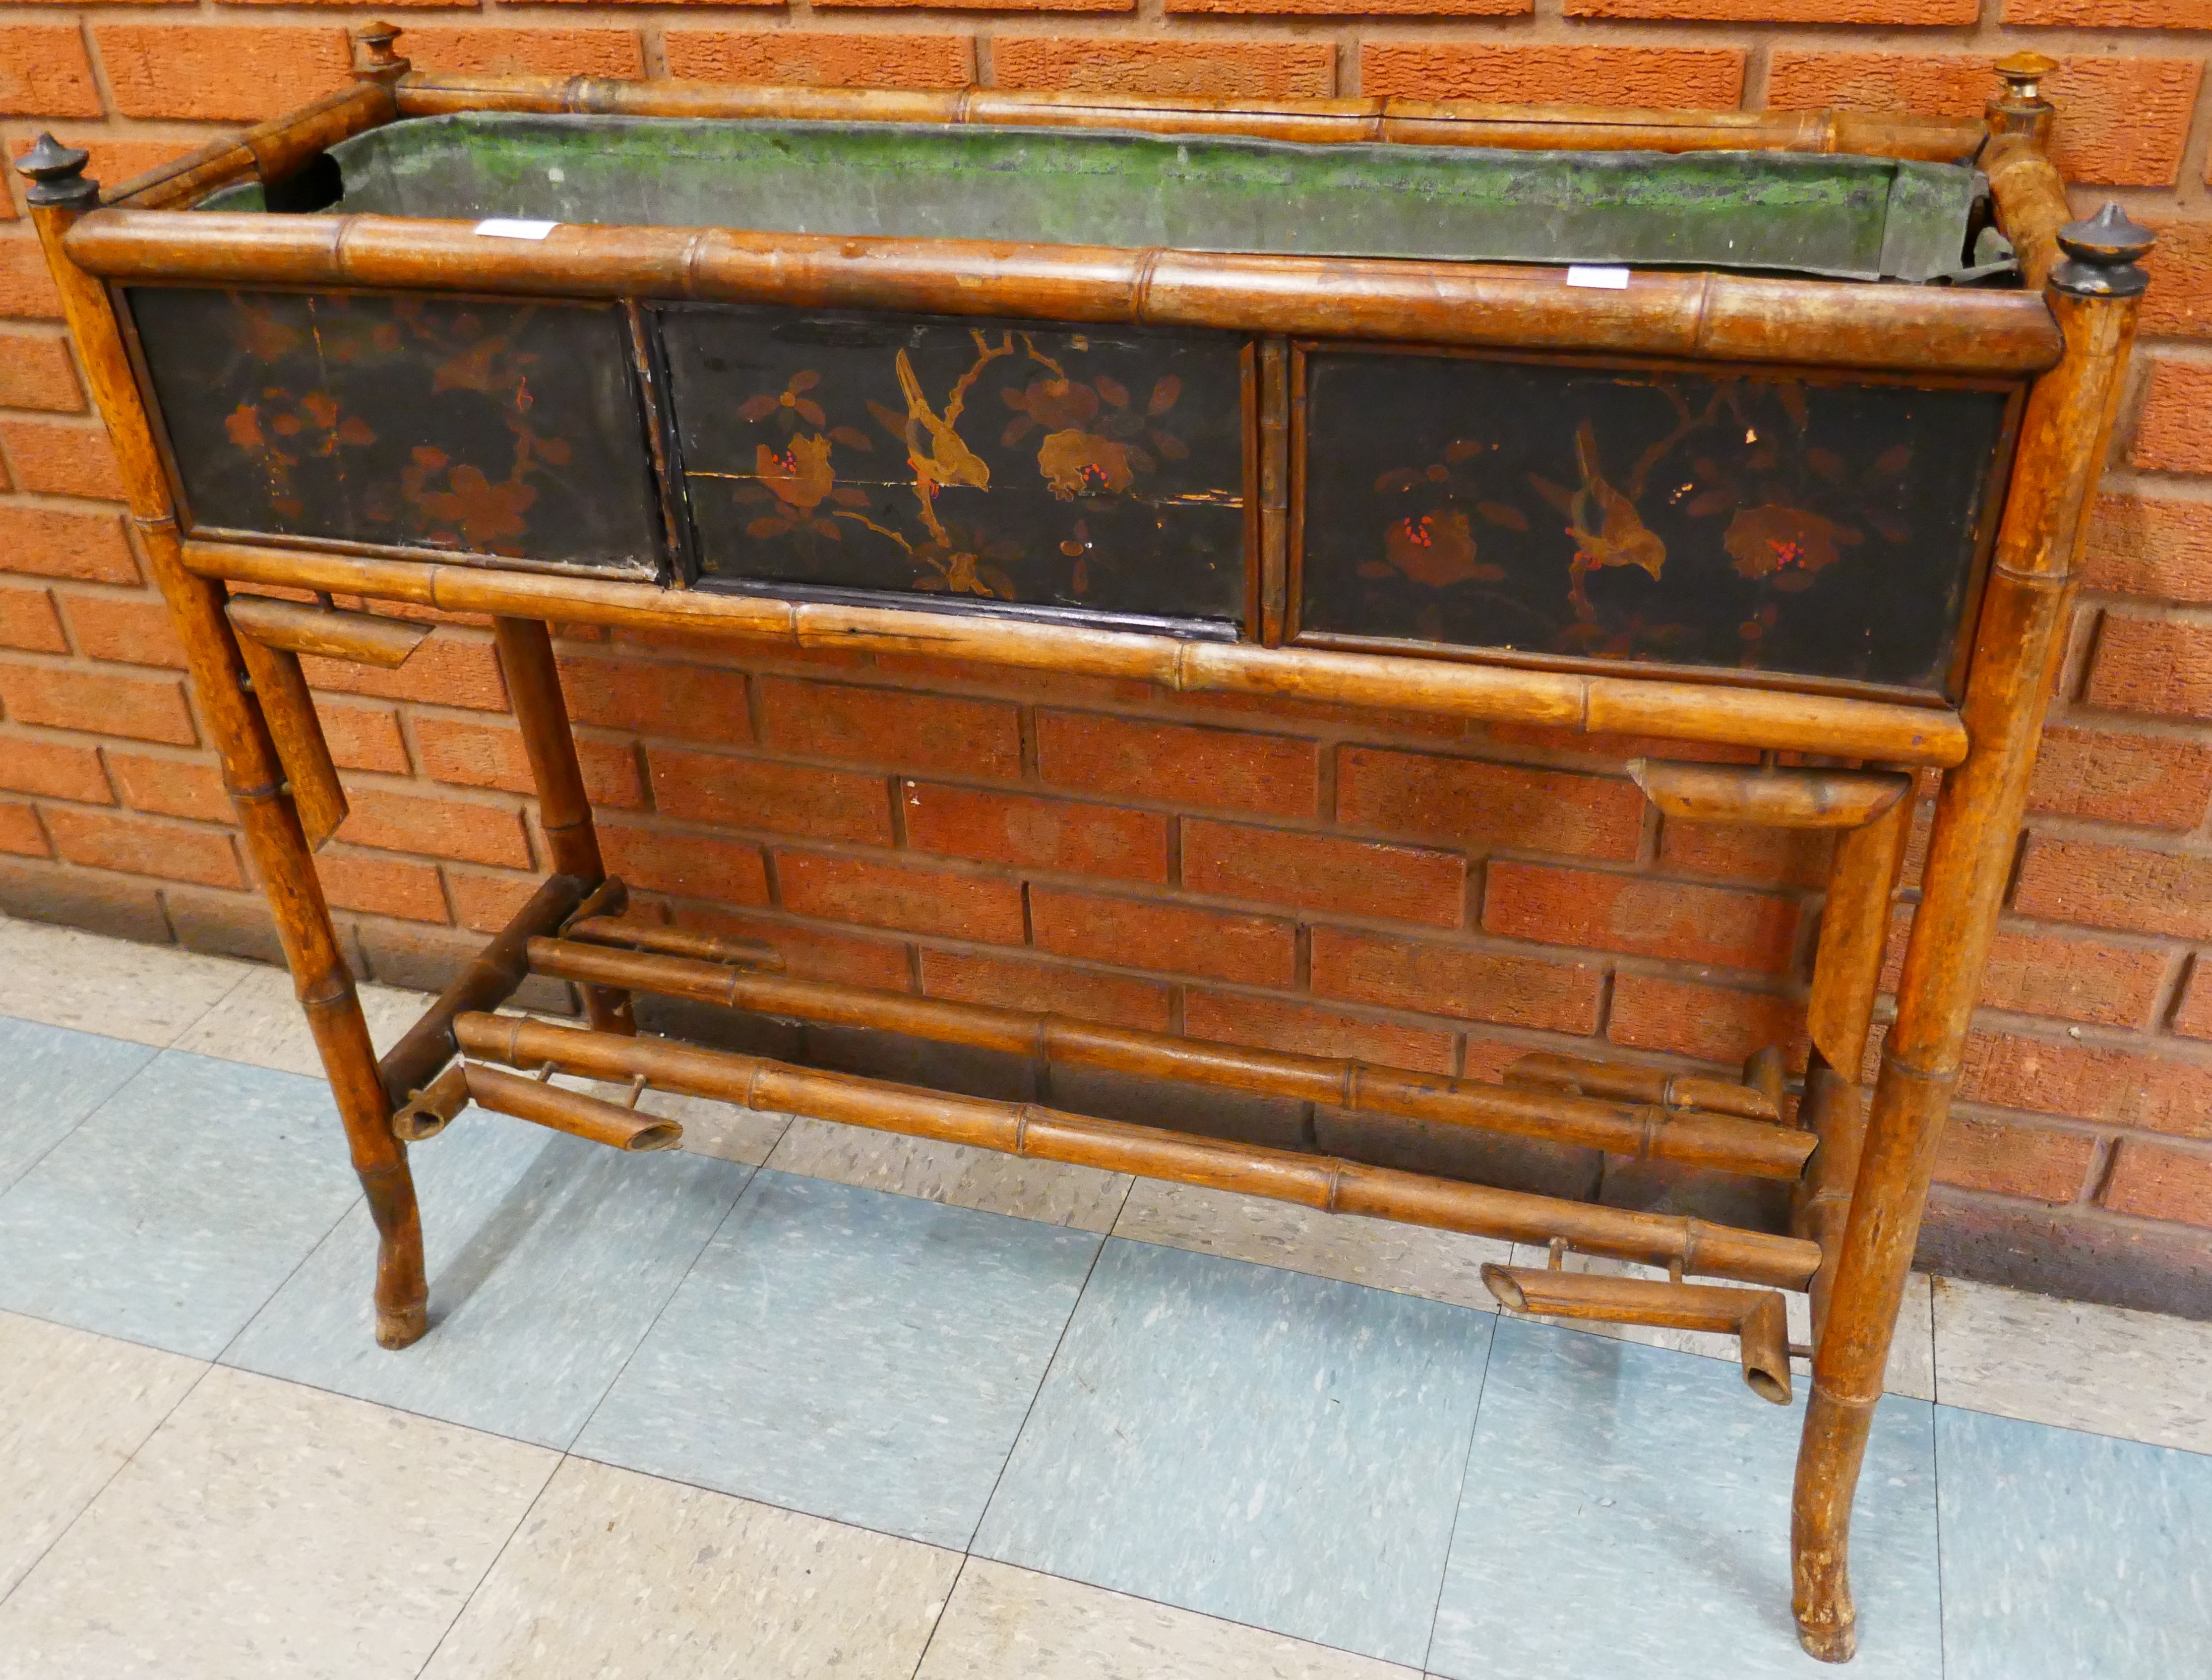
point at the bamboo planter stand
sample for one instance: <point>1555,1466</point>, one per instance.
<point>1859,1162</point>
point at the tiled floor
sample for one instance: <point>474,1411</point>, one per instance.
<point>802,1401</point>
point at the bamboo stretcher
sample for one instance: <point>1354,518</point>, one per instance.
<point>1858,1162</point>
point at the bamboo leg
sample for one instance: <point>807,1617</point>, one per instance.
<point>2017,646</point>
<point>533,687</point>
<point>250,767</point>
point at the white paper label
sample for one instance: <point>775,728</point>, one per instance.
<point>500,229</point>
<point>1604,279</point>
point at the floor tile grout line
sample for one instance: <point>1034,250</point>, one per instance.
<point>307,1254</point>
<point>137,1073</point>
<point>1936,1497</point>
<point>945,1609</point>
<point>1014,1442</point>
<point>477,1587</point>
<point>1459,1504</point>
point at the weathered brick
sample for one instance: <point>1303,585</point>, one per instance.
<point>2094,1083</point>
<point>1012,982</point>
<point>1452,980</point>
<point>115,905</point>
<point>811,953</point>
<point>36,371</point>
<point>141,846</point>
<point>2152,665</point>
<point>2154,1183</point>
<point>2121,15</point>
<point>198,72</point>
<point>62,458</point>
<point>1782,11</point>
<point>434,827</point>
<point>28,620</point>
<point>1324,872</point>
<point>1026,832</point>
<point>900,895</point>
<point>470,753</point>
<point>1464,802</point>
<point>52,542</point>
<point>761,793</point>
<point>1634,913</point>
<point>1303,1030</point>
<point>103,703</point>
<point>1695,77</point>
<point>1357,8</point>
<point>2155,781</point>
<point>690,866</point>
<point>1169,939</point>
<point>45,72</point>
<point>817,57</point>
<point>2152,545</point>
<point>1130,65</point>
<point>27,287</point>
<point>2174,432</point>
<point>131,629</point>
<point>382,885</point>
<point>483,901</point>
<point>2014,1160</point>
<point>1177,765</point>
<point>2117,886</point>
<point>689,701</point>
<point>981,5</point>
<point>20,833</point>
<point>449,668</point>
<point>57,769</point>
<point>1710,1023</point>
<point>534,52</point>
<point>1761,856</point>
<point>2066,977</point>
<point>2125,120</point>
<point>171,787</point>
<point>363,737</point>
<point>2179,302</point>
<point>882,725</point>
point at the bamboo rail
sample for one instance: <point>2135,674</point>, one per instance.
<point>268,152</point>
<point>1757,1319</point>
<point>674,942</point>
<point>1769,798</point>
<point>362,637</point>
<point>1453,688</point>
<point>1325,1182</point>
<point>1646,1132</point>
<point>288,709</point>
<point>570,1111</point>
<point>1548,1070</point>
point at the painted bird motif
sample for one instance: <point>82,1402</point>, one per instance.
<point>950,460</point>
<point>1605,527</point>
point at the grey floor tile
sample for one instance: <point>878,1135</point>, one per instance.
<point>1409,1259</point>
<point>1053,1192</point>
<point>173,1212</point>
<point>73,1407</point>
<point>260,1023</point>
<point>1253,1444</point>
<point>267,1530</point>
<point>51,1077</point>
<point>1013,1624</point>
<point>150,994</point>
<point>549,1256</point>
<point>2141,1376</point>
<point>2071,1556</point>
<point>617,1574</point>
<point>860,1356</point>
<point>1625,1516</point>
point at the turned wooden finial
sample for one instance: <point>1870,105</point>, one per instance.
<point>57,174</point>
<point>2021,107</point>
<point>2104,256</point>
<point>373,60</point>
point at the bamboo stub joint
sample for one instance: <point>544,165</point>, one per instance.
<point>56,176</point>
<point>2104,255</point>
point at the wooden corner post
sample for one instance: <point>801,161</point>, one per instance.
<point>60,194</point>
<point>2094,292</point>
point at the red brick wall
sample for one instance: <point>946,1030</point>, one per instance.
<point>1388,887</point>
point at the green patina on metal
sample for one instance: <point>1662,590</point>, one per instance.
<point>1860,217</point>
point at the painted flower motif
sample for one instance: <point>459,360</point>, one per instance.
<point>483,511</point>
<point>801,476</point>
<point>1057,404</point>
<point>1079,463</point>
<point>1435,549</point>
<point>791,405</point>
<point>1771,539</point>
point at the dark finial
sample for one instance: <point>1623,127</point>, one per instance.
<point>57,174</point>
<point>2103,256</point>
<point>2023,74</point>
<point>373,60</point>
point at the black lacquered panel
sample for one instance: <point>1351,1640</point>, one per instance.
<point>1767,523</point>
<point>496,428</point>
<point>1102,470</point>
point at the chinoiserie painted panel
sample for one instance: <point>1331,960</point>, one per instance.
<point>1808,526</point>
<point>508,429</point>
<point>1096,469</point>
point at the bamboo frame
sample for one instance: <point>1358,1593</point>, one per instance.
<point>1548,1070</point>
<point>1757,1319</point>
<point>1859,1197</point>
<point>570,1111</point>
<point>1325,1182</point>
<point>1645,1132</point>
